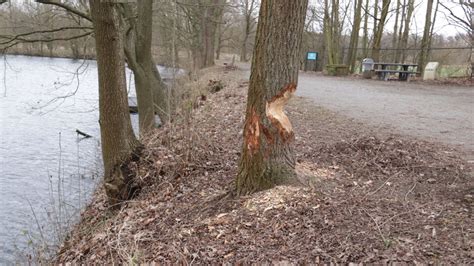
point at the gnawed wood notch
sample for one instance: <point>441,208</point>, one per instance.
<point>275,111</point>
<point>252,133</point>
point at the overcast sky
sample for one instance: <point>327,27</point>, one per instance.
<point>441,25</point>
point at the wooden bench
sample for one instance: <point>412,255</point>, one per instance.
<point>403,75</point>
<point>383,70</point>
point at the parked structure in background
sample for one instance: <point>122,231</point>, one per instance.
<point>431,71</point>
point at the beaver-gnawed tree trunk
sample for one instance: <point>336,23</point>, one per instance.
<point>118,141</point>
<point>267,156</point>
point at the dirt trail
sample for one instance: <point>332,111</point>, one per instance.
<point>432,112</point>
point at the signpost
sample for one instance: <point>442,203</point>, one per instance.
<point>311,56</point>
<point>311,61</point>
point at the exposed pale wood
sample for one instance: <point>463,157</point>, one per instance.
<point>267,156</point>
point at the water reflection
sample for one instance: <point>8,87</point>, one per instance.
<point>47,171</point>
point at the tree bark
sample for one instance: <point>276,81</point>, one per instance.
<point>150,89</point>
<point>400,32</point>
<point>331,31</point>
<point>365,39</point>
<point>379,32</point>
<point>119,144</point>
<point>426,38</point>
<point>406,30</point>
<point>243,51</point>
<point>354,42</point>
<point>267,157</point>
<point>219,39</point>
<point>248,9</point>
<point>336,33</point>
<point>395,29</point>
<point>376,13</point>
<point>143,86</point>
<point>204,16</point>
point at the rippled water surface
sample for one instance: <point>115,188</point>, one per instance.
<point>47,171</point>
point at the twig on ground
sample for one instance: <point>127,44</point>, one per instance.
<point>385,240</point>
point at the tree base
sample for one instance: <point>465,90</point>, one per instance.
<point>122,184</point>
<point>251,181</point>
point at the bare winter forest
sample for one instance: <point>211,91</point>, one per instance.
<point>239,131</point>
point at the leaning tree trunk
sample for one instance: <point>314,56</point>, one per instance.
<point>118,141</point>
<point>267,157</point>
<point>152,77</point>
<point>151,91</point>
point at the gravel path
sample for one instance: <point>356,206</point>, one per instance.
<point>439,113</point>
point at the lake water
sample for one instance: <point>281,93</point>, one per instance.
<point>47,171</point>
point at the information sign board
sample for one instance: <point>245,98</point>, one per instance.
<point>312,56</point>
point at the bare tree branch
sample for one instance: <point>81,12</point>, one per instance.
<point>459,19</point>
<point>66,7</point>
<point>20,36</point>
<point>21,40</point>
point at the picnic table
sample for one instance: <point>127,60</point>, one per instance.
<point>404,70</point>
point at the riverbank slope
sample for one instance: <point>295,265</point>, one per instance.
<point>366,195</point>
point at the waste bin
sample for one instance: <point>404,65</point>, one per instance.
<point>367,68</point>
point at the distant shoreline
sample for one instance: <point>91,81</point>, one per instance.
<point>88,57</point>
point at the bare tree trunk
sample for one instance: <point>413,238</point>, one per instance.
<point>74,45</point>
<point>206,15</point>
<point>150,89</point>
<point>143,86</point>
<point>267,156</point>
<point>327,33</point>
<point>352,53</point>
<point>336,35</point>
<point>406,31</point>
<point>248,8</point>
<point>376,13</point>
<point>433,22</point>
<point>331,31</point>
<point>118,141</point>
<point>379,32</point>
<point>426,38</point>
<point>365,40</point>
<point>219,39</point>
<point>243,51</point>
<point>400,32</point>
<point>395,29</point>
